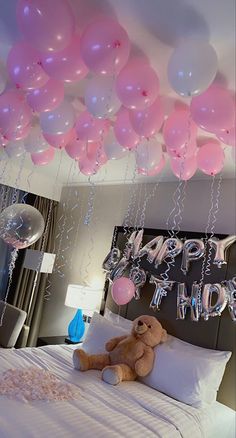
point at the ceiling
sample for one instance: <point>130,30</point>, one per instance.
<point>155,27</point>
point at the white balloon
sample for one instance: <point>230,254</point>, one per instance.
<point>192,67</point>
<point>35,142</point>
<point>100,97</point>
<point>3,78</point>
<point>58,121</point>
<point>112,148</point>
<point>148,154</point>
<point>15,149</point>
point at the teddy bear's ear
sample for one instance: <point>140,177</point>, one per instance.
<point>164,335</point>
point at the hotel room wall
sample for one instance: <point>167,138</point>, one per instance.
<point>87,250</point>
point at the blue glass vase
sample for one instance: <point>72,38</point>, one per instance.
<point>76,327</point>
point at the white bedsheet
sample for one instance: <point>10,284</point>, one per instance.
<point>130,409</point>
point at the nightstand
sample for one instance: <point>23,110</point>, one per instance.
<point>52,340</point>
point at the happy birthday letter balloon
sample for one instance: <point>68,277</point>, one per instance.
<point>21,225</point>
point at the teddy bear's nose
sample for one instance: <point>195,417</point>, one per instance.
<point>140,322</point>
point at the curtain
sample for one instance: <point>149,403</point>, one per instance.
<point>21,295</point>
<point>7,194</point>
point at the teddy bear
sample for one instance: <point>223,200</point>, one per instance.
<point>127,356</point>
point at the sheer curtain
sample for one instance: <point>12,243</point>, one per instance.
<point>6,197</point>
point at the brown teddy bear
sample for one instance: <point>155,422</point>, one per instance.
<point>128,356</point>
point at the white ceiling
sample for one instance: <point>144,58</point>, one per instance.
<point>154,27</point>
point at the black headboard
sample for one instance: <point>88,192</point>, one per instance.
<point>216,333</point>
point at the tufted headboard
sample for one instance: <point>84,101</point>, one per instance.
<point>217,333</point>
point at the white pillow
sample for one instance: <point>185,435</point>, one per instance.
<point>99,332</point>
<point>118,320</point>
<point>186,372</point>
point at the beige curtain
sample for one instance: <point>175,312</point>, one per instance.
<point>24,285</point>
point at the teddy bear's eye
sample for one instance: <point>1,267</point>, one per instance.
<point>149,326</point>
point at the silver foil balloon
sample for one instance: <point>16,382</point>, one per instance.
<point>21,225</point>
<point>151,249</point>
<point>210,310</point>
<point>193,249</point>
<point>133,245</point>
<point>185,301</point>
<point>220,247</point>
<point>170,248</point>
<point>161,289</point>
<point>230,288</point>
<point>119,269</point>
<point>138,277</point>
<point>111,260</point>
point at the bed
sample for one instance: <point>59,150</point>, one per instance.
<point>129,410</point>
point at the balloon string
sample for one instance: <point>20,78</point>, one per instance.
<point>87,222</point>
<point>213,222</point>
<point>17,181</point>
<point>3,171</point>
<point>14,255</point>
<point>207,229</point>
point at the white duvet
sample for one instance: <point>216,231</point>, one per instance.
<point>130,409</point>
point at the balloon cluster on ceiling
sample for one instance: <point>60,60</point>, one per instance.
<point>124,110</point>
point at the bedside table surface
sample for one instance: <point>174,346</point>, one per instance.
<point>51,340</point>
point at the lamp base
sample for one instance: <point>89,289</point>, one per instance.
<point>76,328</point>
<point>70,341</point>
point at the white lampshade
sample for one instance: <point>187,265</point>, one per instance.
<point>83,297</point>
<point>39,261</point>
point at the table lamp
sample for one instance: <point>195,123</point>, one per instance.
<point>81,298</point>
<point>40,262</point>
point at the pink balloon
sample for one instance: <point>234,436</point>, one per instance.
<point>155,169</point>
<point>184,151</point>
<point>15,113</point>
<point>66,65</point>
<point>123,290</point>
<point>214,109</point>
<point>178,128</point>
<point>93,159</point>
<point>47,24</point>
<point>24,67</point>
<point>148,121</point>
<point>89,128</point>
<point>210,158</point>
<point>59,141</point>
<point>46,98</point>
<point>123,130</point>
<point>105,46</point>
<point>184,168</point>
<point>43,158</point>
<point>76,149</point>
<point>228,136</point>
<point>137,85</point>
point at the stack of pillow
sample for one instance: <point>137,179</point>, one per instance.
<point>181,370</point>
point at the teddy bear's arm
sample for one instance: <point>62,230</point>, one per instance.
<point>144,365</point>
<point>112,343</point>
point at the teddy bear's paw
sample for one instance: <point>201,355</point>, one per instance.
<point>80,360</point>
<point>111,375</point>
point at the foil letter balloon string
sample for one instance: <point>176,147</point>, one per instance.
<point>210,310</point>
<point>151,249</point>
<point>185,301</point>
<point>170,248</point>
<point>193,249</point>
<point>138,277</point>
<point>221,247</point>
<point>230,288</point>
<point>161,289</point>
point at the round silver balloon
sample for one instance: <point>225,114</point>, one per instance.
<point>21,225</point>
